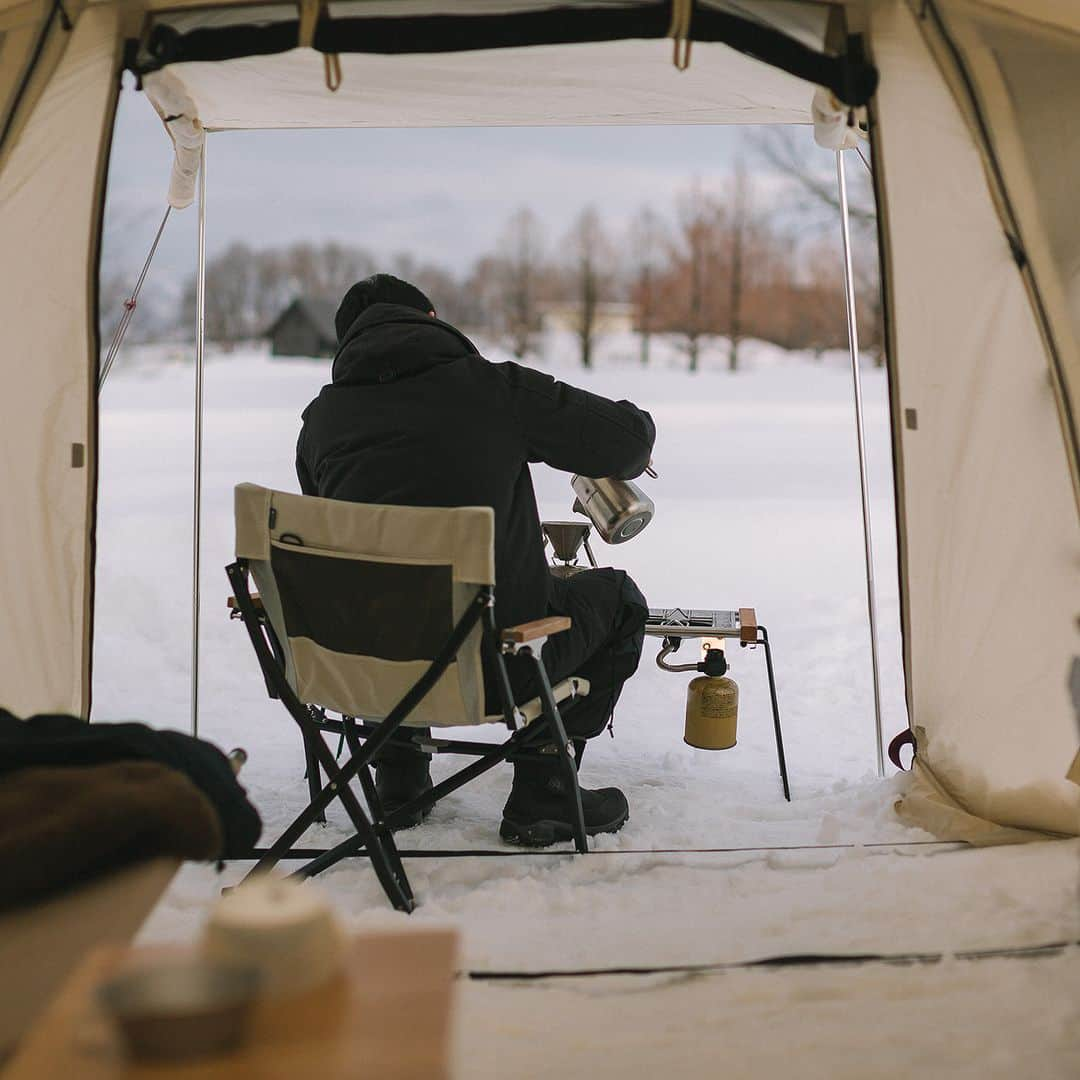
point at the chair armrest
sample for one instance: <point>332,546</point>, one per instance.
<point>234,606</point>
<point>538,628</point>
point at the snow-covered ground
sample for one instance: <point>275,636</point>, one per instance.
<point>757,505</point>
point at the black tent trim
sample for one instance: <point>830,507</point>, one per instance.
<point>849,75</point>
<point>784,960</point>
<point>51,20</point>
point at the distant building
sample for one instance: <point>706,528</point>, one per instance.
<point>610,317</point>
<point>304,328</point>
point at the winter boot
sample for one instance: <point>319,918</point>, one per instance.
<point>401,775</point>
<point>540,812</point>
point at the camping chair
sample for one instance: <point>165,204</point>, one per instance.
<point>379,614</point>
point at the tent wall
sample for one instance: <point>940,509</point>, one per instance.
<point>33,37</point>
<point>51,190</point>
<point>1027,79</point>
<point>987,513</point>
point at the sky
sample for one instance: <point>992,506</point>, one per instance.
<point>442,194</point>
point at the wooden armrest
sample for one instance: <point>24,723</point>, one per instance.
<point>747,625</point>
<point>255,599</point>
<point>538,628</point>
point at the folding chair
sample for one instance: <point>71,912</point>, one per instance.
<point>379,614</point>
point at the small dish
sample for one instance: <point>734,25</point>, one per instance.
<point>180,1008</point>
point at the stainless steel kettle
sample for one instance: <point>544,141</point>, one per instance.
<point>618,508</point>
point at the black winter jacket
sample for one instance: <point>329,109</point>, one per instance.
<point>415,416</point>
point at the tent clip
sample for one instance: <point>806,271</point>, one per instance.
<point>332,71</point>
<point>682,12</point>
<point>312,13</point>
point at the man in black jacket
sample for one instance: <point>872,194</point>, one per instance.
<point>414,416</point>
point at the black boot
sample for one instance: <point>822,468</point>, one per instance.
<point>401,775</point>
<point>540,811</point>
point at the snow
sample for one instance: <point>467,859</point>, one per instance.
<point>757,505</point>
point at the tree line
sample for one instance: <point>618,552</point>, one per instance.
<point>723,264</point>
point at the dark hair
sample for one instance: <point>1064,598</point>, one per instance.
<point>377,289</point>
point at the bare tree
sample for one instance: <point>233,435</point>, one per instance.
<point>646,241</point>
<point>485,287</point>
<point>337,267</point>
<point>273,289</point>
<point>792,153</point>
<point>739,225</point>
<point>813,174</point>
<point>591,277</point>
<point>690,283</point>
<point>230,294</point>
<point>522,264</point>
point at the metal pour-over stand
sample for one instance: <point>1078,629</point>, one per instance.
<point>674,625</point>
<point>567,538</point>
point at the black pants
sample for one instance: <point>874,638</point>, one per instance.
<point>603,644</point>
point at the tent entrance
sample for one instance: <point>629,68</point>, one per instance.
<point>226,70</point>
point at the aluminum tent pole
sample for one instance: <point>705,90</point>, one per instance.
<point>129,306</point>
<point>853,346</point>
<point>196,523</point>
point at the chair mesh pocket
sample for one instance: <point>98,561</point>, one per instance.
<point>366,607</point>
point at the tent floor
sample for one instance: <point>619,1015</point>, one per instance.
<point>980,1020</point>
<point>955,1017</point>
<point>564,913</point>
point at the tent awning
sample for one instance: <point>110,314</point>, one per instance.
<point>491,62</point>
<point>619,82</point>
<point>411,64</point>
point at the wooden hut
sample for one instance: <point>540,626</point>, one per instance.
<point>304,328</point>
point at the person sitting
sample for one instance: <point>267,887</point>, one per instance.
<point>415,416</point>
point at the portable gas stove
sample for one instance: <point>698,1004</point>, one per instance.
<point>675,625</point>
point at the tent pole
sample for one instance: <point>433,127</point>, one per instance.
<point>196,527</point>
<point>853,346</point>
<point>129,306</point>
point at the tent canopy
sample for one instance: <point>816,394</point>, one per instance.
<point>623,82</point>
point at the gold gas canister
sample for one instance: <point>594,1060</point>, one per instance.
<point>712,712</point>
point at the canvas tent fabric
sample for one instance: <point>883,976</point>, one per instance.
<point>988,518</point>
<point>975,150</point>
<point>450,548</point>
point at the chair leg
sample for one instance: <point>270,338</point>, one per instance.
<point>385,861</point>
<point>383,837</point>
<point>384,857</point>
<point>363,774</point>
<point>566,751</point>
<point>391,858</point>
<point>285,841</point>
<point>312,773</point>
<point>376,838</point>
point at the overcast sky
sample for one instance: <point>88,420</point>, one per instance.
<point>442,194</point>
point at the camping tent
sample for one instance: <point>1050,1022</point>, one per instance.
<point>976,151</point>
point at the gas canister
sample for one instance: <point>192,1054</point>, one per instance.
<point>712,712</point>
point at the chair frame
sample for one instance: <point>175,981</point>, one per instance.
<point>373,834</point>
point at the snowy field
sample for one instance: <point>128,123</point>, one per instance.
<point>757,505</point>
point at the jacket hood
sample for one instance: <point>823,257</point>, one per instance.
<point>390,341</point>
